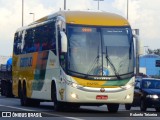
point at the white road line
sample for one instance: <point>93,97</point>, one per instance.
<point>17,108</point>
<point>56,115</point>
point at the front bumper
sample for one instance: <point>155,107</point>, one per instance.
<point>151,102</point>
<point>89,95</point>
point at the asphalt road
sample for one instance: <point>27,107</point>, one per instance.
<point>11,106</point>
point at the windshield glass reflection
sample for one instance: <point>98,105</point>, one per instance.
<point>100,51</point>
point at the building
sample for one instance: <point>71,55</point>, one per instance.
<point>149,64</point>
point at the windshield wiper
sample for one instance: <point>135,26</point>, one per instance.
<point>112,66</point>
<point>95,62</point>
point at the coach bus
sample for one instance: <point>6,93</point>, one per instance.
<point>74,58</point>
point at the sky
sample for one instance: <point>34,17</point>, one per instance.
<point>143,15</point>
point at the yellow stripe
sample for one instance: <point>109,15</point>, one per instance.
<point>92,83</point>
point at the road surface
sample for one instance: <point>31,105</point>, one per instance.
<point>11,106</point>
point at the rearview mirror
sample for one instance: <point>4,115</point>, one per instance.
<point>63,42</point>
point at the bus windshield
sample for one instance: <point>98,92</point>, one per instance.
<point>100,51</point>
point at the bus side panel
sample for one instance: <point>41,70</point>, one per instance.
<point>41,88</point>
<point>23,70</point>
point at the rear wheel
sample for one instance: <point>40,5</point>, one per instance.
<point>34,103</point>
<point>23,96</point>
<point>113,108</point>
<point>19,89</point>
<point>128,106</point>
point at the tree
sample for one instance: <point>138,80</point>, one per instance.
<point>156,51</point>
<point>149,51</point>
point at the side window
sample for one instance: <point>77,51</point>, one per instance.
<point>29,41</point>
<point>48,38</point>
<point>45,40</point>
<point>17,43</point>
<point>52,37</point>
<point>15,48</point>
<point>38,38</point>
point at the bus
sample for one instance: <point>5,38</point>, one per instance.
<point>75,58</point>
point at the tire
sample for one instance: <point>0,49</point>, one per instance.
<point>157,109</point>
<point>71,107</point>
<point>58,106</point>
<point>128,106</point>
<point>19,89</point>
<point>143,107</point>
<point>113,108</point>
<point>23,96</point>
<point>34,103</point>
<point>2,88</point>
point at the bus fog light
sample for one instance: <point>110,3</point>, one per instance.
<point>73,95</point>
<point>128,96</point>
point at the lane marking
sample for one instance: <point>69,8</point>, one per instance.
<point>55,115</point>
<point>17,108</point>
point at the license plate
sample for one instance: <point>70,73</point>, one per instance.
<point>101,97</point>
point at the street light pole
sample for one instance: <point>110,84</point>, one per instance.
<point>127,9</point>
<point>64,4</point>
<point>22,11</point>
<point>98,2</point>
<point>33,16</point>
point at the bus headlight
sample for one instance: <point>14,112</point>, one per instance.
<point>75,85</point>
<point>72,84</point>
<point>153,96</point>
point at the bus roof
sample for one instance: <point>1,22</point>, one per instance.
<point>95,18</point>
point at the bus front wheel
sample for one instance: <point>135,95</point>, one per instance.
<point>128,106</point>
<point>58,106</point>
<point>113,108</point>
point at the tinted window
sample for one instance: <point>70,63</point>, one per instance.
<point>18,42</point>
<point>151,84</point>
<point>36,39</point>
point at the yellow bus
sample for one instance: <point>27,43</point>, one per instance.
<point>75,58</point>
